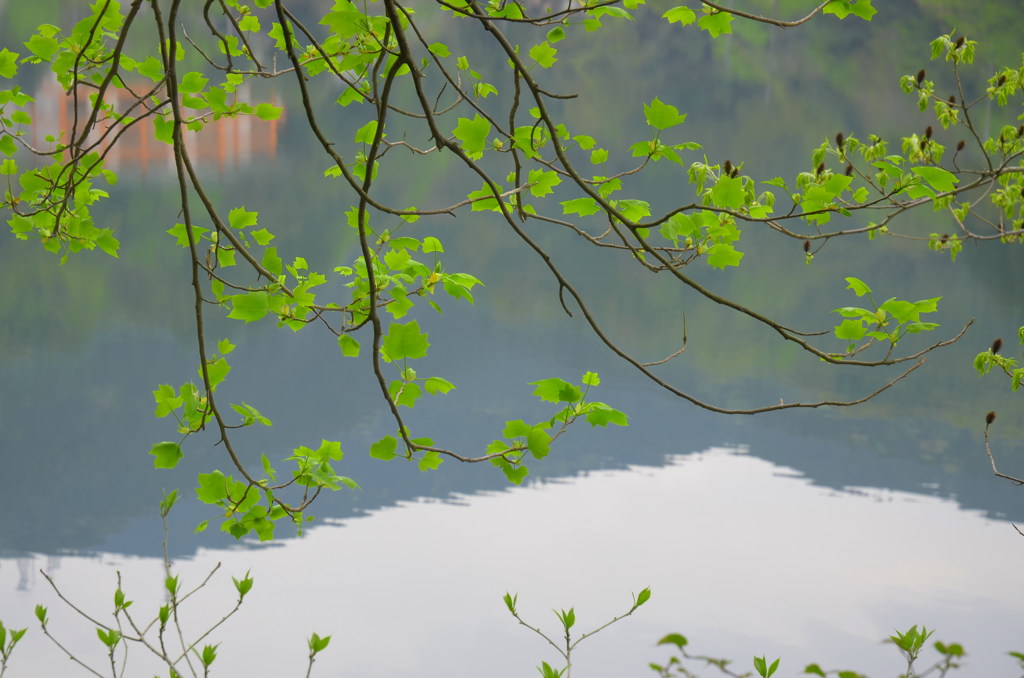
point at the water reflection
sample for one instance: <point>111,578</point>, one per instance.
<point>792,548</point>
<point>743,556</point>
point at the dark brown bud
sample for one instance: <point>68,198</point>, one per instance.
<point>952,99</point>
<point>996,345</point>
<point>807,245</point>
<point>944,239</point>
<point>727,168</point>
<point>928,132</point>
<point>960,145</point>
<point>920,76</point>
<point>735,172</point>
<point>960,42</point>
<point>1001,81</point>
<point>821,168</point>
<point>849,170</point>
<point>1020,131</point>
<point>989,418</point>
<point>924,142</point>
<point>840,140</point>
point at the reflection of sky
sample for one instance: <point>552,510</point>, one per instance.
<point>742,556</point>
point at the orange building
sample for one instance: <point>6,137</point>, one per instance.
<point>227,143</point>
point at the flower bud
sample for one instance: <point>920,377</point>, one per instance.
<point>996,345</point>
<point>989,418</point>
<point>920,76</point>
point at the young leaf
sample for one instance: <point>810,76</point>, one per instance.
<point>662,116</point>
<point>405,341</point>
<point>167,455</point>
<point>384,448</point>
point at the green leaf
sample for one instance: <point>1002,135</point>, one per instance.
<point>217,371</point>
<point>939,178</point>
<point>851,330</point>
<point>539,442</point>
<point>544,54</point>
<point>193,82</point>
<point>349,346</point>
<point>556,34</point>
<point>722,254</point>
<point>662,116</point>
<point>556,390</point>
<point>318,644</point>
<point>8,63</point>
<point>515,474</point>
<point>516,428</point>
<point>858,286</point>
<point>716,24</point>
<point>599,414</point>
<point>384,448</point>
<point>42,46</point>
<point>591,379</point>
<point>684,16</point>
<point>240,218</point>
<point>843,8</point>
<point>7,145</point>
<point>405,341</point>
<point>581,206</point>
<point>435,385</point>
<point>543,182</point>
<point>473,135</point>
<point>167,455</point>
<point>271,261</point>
<point>430,461</point>
<point>268,111</point>
<point>366,133</point>
<point>249,307</point>
<point>728,193</point>
<point>431,244</point>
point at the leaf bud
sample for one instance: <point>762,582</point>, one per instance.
<point>727,168</point>
<point>807,245</point>
<point>821,168</point>
<point>1020,131</point>
<point>928,132</point>
<point>1001,81</point>
<point>960,42</point>
<point>952,99</point>
<point>840,140</point>
<point>990,417</point>
<point>920,76</point>
<point>960,145</point>
<point>924,142</point>
<point>944,239</point>
<point>996,345</point>
<point>849,170</point>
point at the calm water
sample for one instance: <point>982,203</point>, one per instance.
<point>810,535</point>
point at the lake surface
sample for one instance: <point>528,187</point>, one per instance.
<point>809,535</point>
